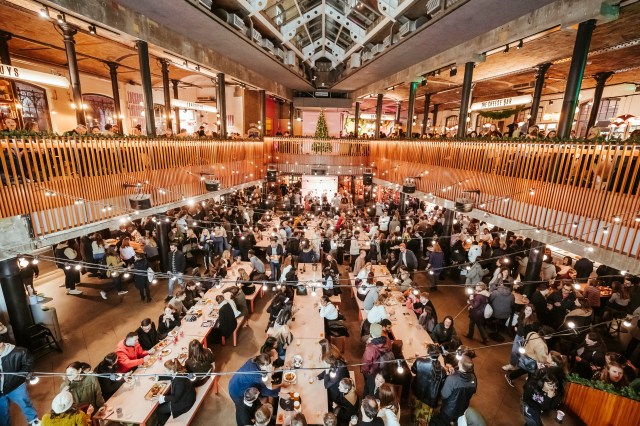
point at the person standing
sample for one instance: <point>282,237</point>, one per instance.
<point>13,387</point>
<point>246,413</point>
<point>71,270</point>
<point>141,276</point>
<point>274,254</point>
<point>177,264</point>
<point>406,258</point>
<point>429,379</point>
<point>456,393</point>
<point>477,304</point>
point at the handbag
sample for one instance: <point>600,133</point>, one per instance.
<point>488,310</point>
<point>527,363</point>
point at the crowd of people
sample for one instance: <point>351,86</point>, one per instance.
<point>557,327</point>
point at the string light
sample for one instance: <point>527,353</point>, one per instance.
<point>400,368</point>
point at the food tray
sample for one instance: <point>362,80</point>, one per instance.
<point>156,390</point>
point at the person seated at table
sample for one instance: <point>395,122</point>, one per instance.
<point>177,301</point>
<point>328,280</point>
<point>387,329</point>
<point>298,419</point>
<point>613,374</point>
<point>254,373</point>
<point>378,312</point>
<point>283,336</point>
<point>246,413</point>
<point>365,272</point>
<point>226,323</point>
<point>263,415</point>
<point>330,419</point>
<point>581,315</point>
<point>192,294</point>
<point>246,282</point>
<point>423,303</point>
<point>618,303</point>
<point>107,369</point>
<point>429,379</point>
<point>330,262</point>
<point>127,253</point>
<point>405,282</point>
<point>270,347</point>
<point>64,412</point>
<point>279,301</point>
<point>346,404</point>
<point>372,295</point>
<point>307,255</point>
<point>328,311</point>
<point>130,353</point>
<point>85,389</point>
<point>326,348</point>
<point>181,397</point>
<point>392,260</point>
<point>237,297</point>
<point>168,321</point>
<point>538,396</point>
<point>228,299</point>
<point>147,334</point>
<point>199,362</point>
<point>335,370</point>
<point>360,261</point>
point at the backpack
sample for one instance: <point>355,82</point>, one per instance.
<point>385,363</point>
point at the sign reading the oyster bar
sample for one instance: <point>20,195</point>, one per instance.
<point>17,73</point>
<point>502,103</point>
<point>177,103</point>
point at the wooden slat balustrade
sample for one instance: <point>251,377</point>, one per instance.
<point>95,169</point>
<point>299,153</point>
<point>596,407</point>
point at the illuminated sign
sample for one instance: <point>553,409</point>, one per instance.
<point>501,103</point>
<point>177,103</point>
<point>16,73</point>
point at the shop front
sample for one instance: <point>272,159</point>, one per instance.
<point>193,115</point>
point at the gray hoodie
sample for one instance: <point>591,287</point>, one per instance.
<point>502,302</point>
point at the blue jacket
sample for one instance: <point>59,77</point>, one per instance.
<point>241,382</point>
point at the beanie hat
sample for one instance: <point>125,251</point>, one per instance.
<point>62,402</point>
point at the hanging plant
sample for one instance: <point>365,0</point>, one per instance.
<point>501,114</point>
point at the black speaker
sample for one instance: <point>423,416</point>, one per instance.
<point>464,205</point>
<point>319,172</point>
<point>367,179</point>
<point>212,185</point>
<point>140,201</point>
<point>271,175</point>
<point>409,188</point>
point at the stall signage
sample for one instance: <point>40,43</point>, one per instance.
<point>17,73</point>
<point>177,103</point>
<point>502,103</point>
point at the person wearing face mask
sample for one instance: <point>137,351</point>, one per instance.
<point>130,353</point>
<point>182,395</point>
<point>255,373</point>
<point>86,390</point>
<point>177,264</point>
<point>346,404</point>
<point>527,320</point>
<point>147,334</point>
<point>108,367</point>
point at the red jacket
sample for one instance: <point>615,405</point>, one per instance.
<point>129,357</point>
<point>372,353</point>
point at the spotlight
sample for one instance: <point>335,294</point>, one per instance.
<point>506,49</point>
<point>453,71</point>
<point>617,219</point>
<point>92,29</point>
<point>520,44</point>
<point>60,19</point>
<point>44,13</point>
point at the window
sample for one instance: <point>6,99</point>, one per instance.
<point>100,110</point>
<point>451,122</point>
<point>34,105</point>
<point>608,110</point>
<point>524,115</point>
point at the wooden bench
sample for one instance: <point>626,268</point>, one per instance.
<point>339,342</point>
<point>252,297</point>
<point>337,301</point>
<point>240,321</point>
<point>201,392</point>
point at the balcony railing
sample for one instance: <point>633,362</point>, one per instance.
<point>63,183</point>
<point>585,191</point>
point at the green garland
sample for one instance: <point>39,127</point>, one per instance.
<point>627,392</point>
<point>500,115</point>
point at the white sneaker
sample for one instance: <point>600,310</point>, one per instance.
<point>74,292</point>
<point>508,367</point>
<point>103,294</point>
<point>36,422</point>
<point>120,293</point>
<point>61,285</point>
<point>68,291</point>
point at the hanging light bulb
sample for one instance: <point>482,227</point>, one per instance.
<point>400,368</point>
<point>469,290</point>
<point>35,261</point>
<point>416,291</point>
<point>126,275</point>
<point>34,380</point>
<point>521,350</point>
<point>458,354</point>
<point>78,267</point>
<point>67,267</point>
<point>332,373</point>
<point>627,322</point>
<point>571,324</point>
<point>154,281</point>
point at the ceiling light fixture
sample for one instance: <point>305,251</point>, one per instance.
<point>92,29</point>
<point>506,49</point>
<point>453,71</point>
<point>60,19</point>
<point>520,44</point>
<point>44,12</point>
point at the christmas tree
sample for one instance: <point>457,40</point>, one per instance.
<point>321,128</point>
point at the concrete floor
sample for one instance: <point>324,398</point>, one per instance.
<point>91,328</point>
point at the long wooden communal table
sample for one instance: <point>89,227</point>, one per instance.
<point>307,328</point>
<point>131,397</point>
<point>405,324</point>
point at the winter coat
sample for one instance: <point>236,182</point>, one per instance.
<point>372,352</point>
<point>85,391</point>
<point>150,339</point>
<point>479,301</point>
<point>177,262</point>
<point>129,357</point>
<point>76,419</point>
<point>547,271</point>
<point>535,347</point>
<point>442,335</point>
<point>475,274</point>
<point>456,394</point>
<point>428,381</point>
<point>182,395</point>
<point>502,301</point>
<point>14,359</point>
<point>140,277</point>
<point>107,385</point>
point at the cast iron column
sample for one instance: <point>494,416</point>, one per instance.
<point>222,106</point>
<point>434,123</point>
<point>68,32</point>
<point>356,124</point>
<point>425,114</point>
<point>378,115</point>
<point>166,94</point>
<point>292,117</point>
<point>412,105</point>
<point>534,265</point>
<point>398,118</point>
<point>574,79</point>
<point>466,97</point>
<point>263,112</point>
<point>541,70</point>
<point>5,58</point>
<point>115,91</point>
<point>162,230</point>
<point>147,88</point>
<point>447,228</point>
<point>15,297</point>
<point>403,206</point>
<point>601,78</point>
<point>176,110</point>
